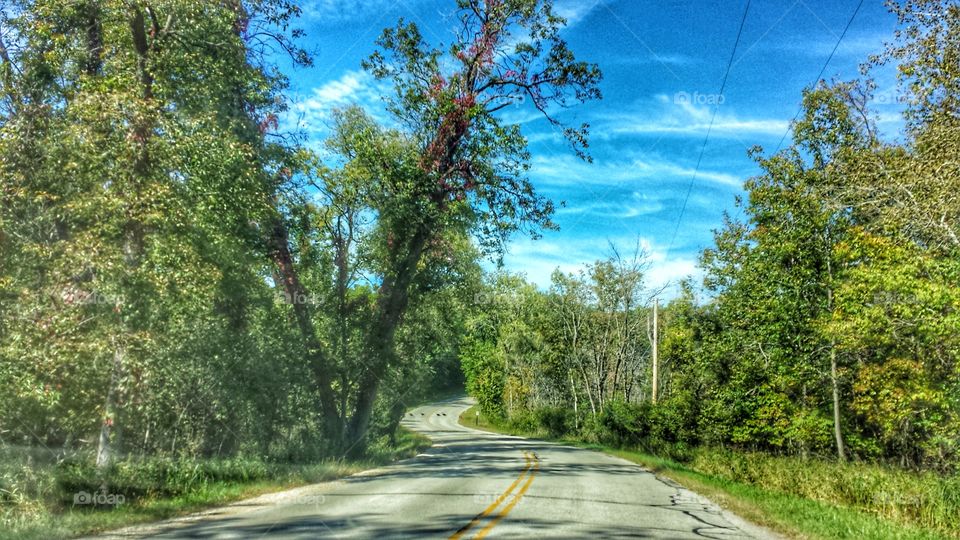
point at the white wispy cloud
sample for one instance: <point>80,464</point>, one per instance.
<point>574,11</point>
<point>538,259</point>
<point>670,59</point>
<point>339,11</point>
<point>682,114</point>
<point>667,274</point>
<point>311,112</point>
<point>861,45</point>
<point>636,205</point>
<point>568,170</point>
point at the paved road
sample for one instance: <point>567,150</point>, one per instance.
<point>474,484</point>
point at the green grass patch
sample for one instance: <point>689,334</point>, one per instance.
<point>794,497</point>
<point>37,495</point>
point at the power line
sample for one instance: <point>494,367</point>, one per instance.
<point>820,75</point>
<point>713,118</point>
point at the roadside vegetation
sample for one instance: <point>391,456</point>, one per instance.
<point>196,301</point>
<point>820,357</point>
<point>43,501</point>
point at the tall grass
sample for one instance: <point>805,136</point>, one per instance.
<point>925,499</point>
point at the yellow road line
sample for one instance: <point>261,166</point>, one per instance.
<point>516,498</point>
<point>463,530</point>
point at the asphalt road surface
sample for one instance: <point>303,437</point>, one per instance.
<point>473,484</point>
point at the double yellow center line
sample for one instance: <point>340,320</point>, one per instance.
<point>529,471</point>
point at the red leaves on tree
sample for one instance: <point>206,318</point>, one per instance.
<point>269,122</point>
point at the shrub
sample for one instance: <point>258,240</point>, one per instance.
<point>157,477</point>
<point>557,421</point>
<point>624,424</point>
<point>523,421</point>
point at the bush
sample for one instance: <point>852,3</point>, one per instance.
<point>660,429</point>
<point>556,421</point>
<point>523,421</point>
<point>157,477</point>
<point>624,424</point>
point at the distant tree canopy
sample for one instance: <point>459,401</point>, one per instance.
<point>832,316</point>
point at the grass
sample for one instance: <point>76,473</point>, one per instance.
<point>36,499</point>
<point>789,514</point>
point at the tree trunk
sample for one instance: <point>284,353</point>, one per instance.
<point>837,433</point>
<point>6,72</point>
<point>576,409</point>
<point>392,300</point>
<point>133,230</point>
<point>94,39</point>
<point>586,386</point>
<point>342,243</point>
<point>105,448</point>
<point>279,247</point>
<point>834,383</point>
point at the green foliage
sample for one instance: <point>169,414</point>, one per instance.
<point>927,499</point>
<point>557,421</point>
<point>144,329</point>
<point>485,376</point>
<point>833,299</point>
<point>830,326</point>
<point>132,286</point>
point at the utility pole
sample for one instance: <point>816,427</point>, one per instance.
<point>656,358</point>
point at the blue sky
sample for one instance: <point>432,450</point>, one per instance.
<point>663,62</point>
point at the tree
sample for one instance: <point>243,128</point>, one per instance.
<point>462,169</point>
<point>784,265</point>
<point>131,165</point>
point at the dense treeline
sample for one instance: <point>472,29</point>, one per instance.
<point>181,277</point>
<point>829,323</point>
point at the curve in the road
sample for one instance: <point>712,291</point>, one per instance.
<point>475,484</point>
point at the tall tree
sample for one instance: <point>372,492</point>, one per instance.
<point>132,167</point>
<point>465,169</point>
